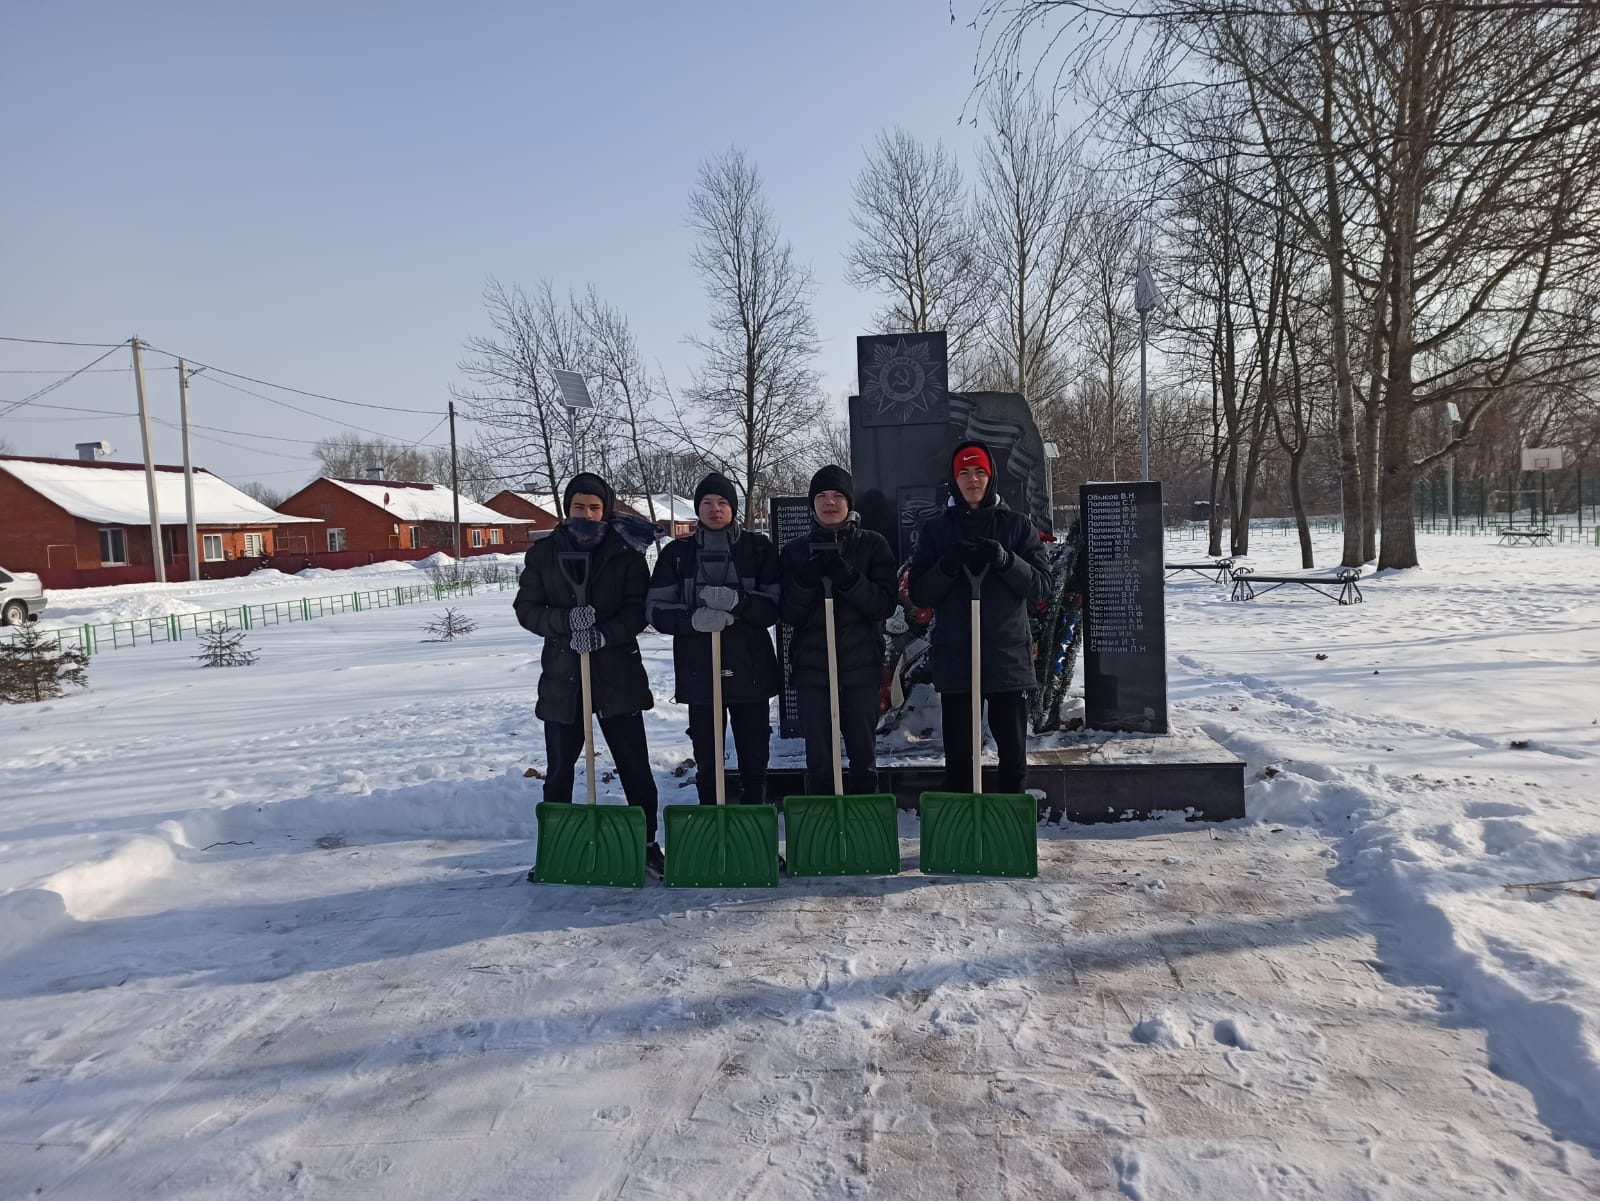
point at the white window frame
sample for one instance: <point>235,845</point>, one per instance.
<point>477,538</point>
<point>416,536</point>
<point>496,536</point>
<point>255,546</point>
<point>119,536</point>
<point>337,541</point>
<point>206,541</point>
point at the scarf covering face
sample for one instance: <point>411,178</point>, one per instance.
<point>585,534</point>
<point>712,543</point>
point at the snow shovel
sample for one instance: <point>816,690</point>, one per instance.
<point>967,833</point>
<point>720,846</point>
<point>593,843</point>
<point>840,835</point>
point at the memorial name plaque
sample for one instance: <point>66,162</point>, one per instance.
<point>791,519</point>
<point>1124,619</point>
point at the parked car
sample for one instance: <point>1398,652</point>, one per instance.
<point>21,597</point>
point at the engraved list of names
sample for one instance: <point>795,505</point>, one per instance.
<point>1125,670</point>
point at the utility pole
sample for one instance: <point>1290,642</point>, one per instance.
<point>188,470</point>
<point>157,551</point>
<point>455,482</point>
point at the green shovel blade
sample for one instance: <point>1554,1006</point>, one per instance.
<point>842,835</point>
<point>590,844</point>
<point>721,846</point>
<point>974,834</point>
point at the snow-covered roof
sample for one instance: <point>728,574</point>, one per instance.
<point>407,501</point>
<point>115,494</point>
<point>667,506</point>
<point>550,504</point>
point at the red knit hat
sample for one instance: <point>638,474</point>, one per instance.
<point>971,456</point>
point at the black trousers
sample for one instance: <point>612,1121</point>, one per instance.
<point>858,729</point>
<point>624,735</point>
<point>1008,722</point>
<point>752,736</point>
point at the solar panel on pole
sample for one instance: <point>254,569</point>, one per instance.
<point>574,389</point>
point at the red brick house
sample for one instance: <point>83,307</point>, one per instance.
<point>381,515</point>
<point>59,515</point>
<point>530,510</point>
<point>672,513</point>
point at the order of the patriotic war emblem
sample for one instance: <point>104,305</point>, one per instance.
<point>902,380</point>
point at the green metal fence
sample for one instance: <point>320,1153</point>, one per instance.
<point>1284,526</point>
<point>98,637</point>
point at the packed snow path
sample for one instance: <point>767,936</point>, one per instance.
<point>1167,1012</point>
<point>266,935</point>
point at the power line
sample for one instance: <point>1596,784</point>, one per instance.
<point>440,422</point>
<point>66,379</point>
<point>57,370</point>
<point>49,342</point>
<point>307,412</point>
<point>360,404</point>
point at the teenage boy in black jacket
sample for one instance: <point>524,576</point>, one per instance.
<point>723,578</point>
<point>607,627</point>
<point>857,565</point>
<point>978,533</point>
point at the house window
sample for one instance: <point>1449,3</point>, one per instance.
<point>477,537</point>
<point>254,546</point>
<point>213,547</point>
<point>113,548</point>
<point>494,536</point>
<point>335,540</point>
<point>416,536</point>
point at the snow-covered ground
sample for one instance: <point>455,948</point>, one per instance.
<point>265,933</point>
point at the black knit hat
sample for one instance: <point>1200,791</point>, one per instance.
<point>589,484</point>
<point>717,484</point>
<point>833,478</point>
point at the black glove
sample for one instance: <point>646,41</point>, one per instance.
<point>809,574</point>
<point>839,569</point>
<point>986,553</point>
<point>955,557</point>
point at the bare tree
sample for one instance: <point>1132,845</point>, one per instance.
<point>264,493</point>
<point>756,394</point>
<point>918,245</point>
<point>1030,212</point>
<point>349,455</point>
<point>621,370</point>
<point>528,432</point>
<point>1443,160</point>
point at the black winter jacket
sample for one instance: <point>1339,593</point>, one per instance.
<point>618,581</point>
<point>749,663</point>
<point>1006,639</point>
<point>858,611</point>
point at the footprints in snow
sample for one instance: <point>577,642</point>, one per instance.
<point>1163,1030</point>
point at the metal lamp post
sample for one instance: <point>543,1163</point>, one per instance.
<point>1146,296</point>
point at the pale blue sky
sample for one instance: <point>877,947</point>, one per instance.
<point>314,193</point>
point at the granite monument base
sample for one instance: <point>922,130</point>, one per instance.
<point>1099,779</point>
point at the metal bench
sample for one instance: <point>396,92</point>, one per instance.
<point>1220,570</point>
<point>1247,584</point>
<point>1524,535</point>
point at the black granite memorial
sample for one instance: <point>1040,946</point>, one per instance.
<point>791,518</point>
<point>1124,619</point>
<point>906,422</point>
<point>903,428</point>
